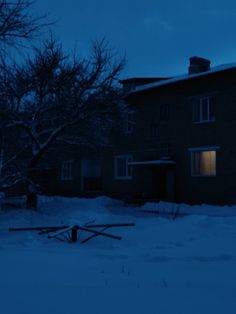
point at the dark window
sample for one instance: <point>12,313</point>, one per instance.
<point>165,150</point>
<point>165,112</point>
<point>203,109</point>
<point>66,170</point>
<point>129,123</point>
<point>196,111</point>
<point>154,130</point>
<point>122,167</point>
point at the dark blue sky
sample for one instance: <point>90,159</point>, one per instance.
<point>157,36</point>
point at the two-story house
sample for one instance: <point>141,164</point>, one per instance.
<point>180,138</point>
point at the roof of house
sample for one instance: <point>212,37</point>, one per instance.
<point>179,78</point>
<point>142,79</point>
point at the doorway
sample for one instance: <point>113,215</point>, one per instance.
<point>163,183</point>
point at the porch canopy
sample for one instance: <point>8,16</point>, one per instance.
<point>152,162</point>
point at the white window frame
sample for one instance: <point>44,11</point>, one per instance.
<point>66,170</point>
<point>128,159</point>
<point>199,150</point>
<point>200,104</point>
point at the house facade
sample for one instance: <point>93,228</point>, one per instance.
<point>179,143</point>
<point>70,170</point>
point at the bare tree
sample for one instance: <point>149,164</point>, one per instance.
<point>17,24</point>
<point>54,97</point>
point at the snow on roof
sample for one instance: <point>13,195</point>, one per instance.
<point>152,162</point>
<point>184,77</point>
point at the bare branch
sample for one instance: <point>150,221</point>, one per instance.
<point>16,22</point>
<point>53,97</point>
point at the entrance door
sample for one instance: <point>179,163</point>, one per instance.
<point>163,183</point>
<point>91,175</point>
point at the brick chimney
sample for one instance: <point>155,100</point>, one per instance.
<point>198,65</point>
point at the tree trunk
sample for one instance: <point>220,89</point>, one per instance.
<point>31,200</point>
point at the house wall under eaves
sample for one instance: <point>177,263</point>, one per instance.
<point>182,134</point>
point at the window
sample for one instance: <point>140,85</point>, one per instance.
<point>91,167</point>
<point>66,170</point>
<point>129,122</point>
<point>154,130</point>
<point>203,110</point>
<point>165,112</point>
<point>203,162</point>
<point>122,167</point>
<point>165,150</point>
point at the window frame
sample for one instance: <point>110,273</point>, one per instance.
<point>165,150</point>
<point>200,150</point>
<point>198,110</point>
<point>165,112</point>
<point>154,130</point>
<point>128,173</point>
<point>67,170</point>
<point>129,123</point>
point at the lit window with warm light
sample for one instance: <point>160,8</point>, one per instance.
<point>203,163</point>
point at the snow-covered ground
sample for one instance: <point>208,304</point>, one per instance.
<point>181,266</point>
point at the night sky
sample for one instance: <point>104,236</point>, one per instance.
<point>158,37</point>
